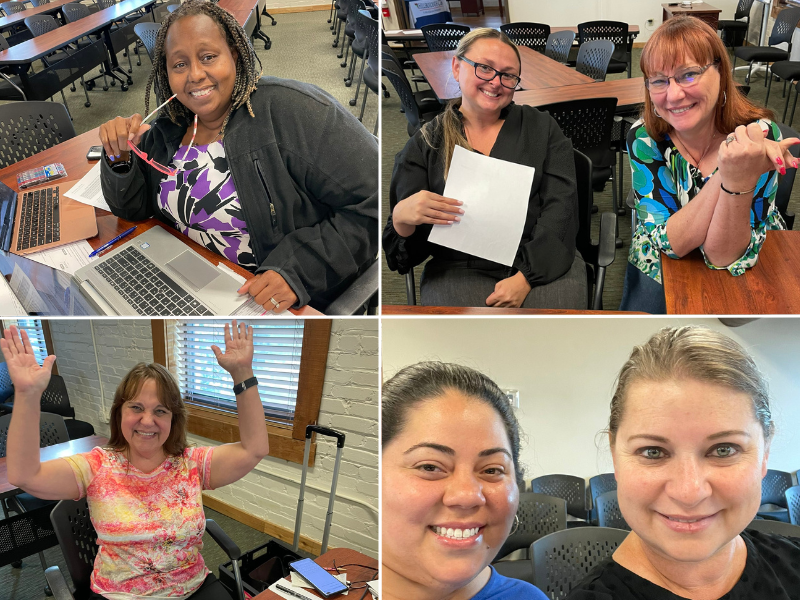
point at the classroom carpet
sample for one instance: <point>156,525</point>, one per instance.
<point>394,137</point>
<point>27,582</point>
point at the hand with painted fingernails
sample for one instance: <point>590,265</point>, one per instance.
<point>425,207</point>
<point>271,291</point>
<point>114,136</point>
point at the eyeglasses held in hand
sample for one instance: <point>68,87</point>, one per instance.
<point>158,166</point>
<point>487,73</point>
<point>685,79</point>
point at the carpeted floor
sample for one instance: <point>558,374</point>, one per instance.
<point>394,137</point>
<point>27,583</point>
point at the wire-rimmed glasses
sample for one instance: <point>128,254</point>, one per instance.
<point>487,73</point>
<point>686,78</point>
<point>158,166</point>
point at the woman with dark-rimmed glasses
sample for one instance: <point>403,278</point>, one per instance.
<point>547,272</point>
<point>273,174</point>
<point>699,140</point>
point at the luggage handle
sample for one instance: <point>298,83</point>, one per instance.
<point>326,431</point>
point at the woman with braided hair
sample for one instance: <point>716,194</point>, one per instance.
<point>247,166</point>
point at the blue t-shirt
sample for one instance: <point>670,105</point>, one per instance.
<point>500,587</point>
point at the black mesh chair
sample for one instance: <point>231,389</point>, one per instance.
<point>793,504</point>
<point>561,560</point>
<point>531,35</point>
<point>593,59</point>
<point>78,540</point>
<point>443,36</point>
<point>30,127</point>
<point>55,400</point>
<point>615,32</point>
<point>773,498</point>
<point>349,29</point>
<point>782,32</point>
<point>12,8</point>
<point>600,484</point>
<point>6,389</point>
<point>371,73</point>
<point>418,107</point>
<point>734,32</point>
<point>360,46</point>
<point>786,182</point>
<point>608,513</point>
<point>148,32</point>
<point>25,534</point>
<point>588,124</point>
<point>570,488</point>
<point>774,527</point>
<point>126,20</point>
<point>74,11</point>
<point>789,72</point>
<point>558,45</point>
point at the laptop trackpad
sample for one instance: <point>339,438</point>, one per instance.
<point>197,271</point>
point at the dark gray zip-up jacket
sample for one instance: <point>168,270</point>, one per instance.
<point>306,173</point>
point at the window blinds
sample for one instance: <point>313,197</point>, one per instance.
<point>278,347</point>
<point>33,328</point>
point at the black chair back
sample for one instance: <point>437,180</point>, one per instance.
<point>783,29</point>
<point>614,31</point>
<point>148,32</point>
<point>55,398</point>
<point>532,35</point>
<point>25,534</point>
<point>588,124</point>
<point>103,4</point>
<point>558,45</point>
<point>400,83</point>
<point>38,3</point>
<point>539,515</point>
<point>793,503</point>
<point>75,11</point>
<point>12,8</point>
<point>373,34</point>
<point>608,513</point>
<point>600,484</point>
<point>30,127</point>
<point>40,24</point>
<point>78,541</point>
<point>570,488</point>
<point>443,36</point>
<point>786,182</point>
<point>743,9</point>
<point>51,431</point>
<point>774,527</point>
<point>593,58</point>
<point>6,386</point>
<point>773,487</point>
<point>562,559</point>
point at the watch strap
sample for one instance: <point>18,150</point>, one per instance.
<point>243,385</point>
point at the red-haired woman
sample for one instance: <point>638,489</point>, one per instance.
<point>704,163</point>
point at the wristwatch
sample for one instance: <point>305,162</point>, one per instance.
<point>247,383</point>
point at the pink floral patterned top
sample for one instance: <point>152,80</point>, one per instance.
<point>149,525</point>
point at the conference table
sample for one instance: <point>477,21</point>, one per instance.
<point>772,286</point>
<point>72,154</point>
<point>361,568</point>
<point>54,6</point>
<point>415,35</point>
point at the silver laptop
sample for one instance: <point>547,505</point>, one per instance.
<point>157,274</point>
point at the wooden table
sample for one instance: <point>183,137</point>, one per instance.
<point>72,154</point>
<point>342,556</point>
<point>485,311</point>
<point>628,92</point>
<point>538,72</point>
<point>704,12</point>
<point>53,6</point>
<point>51,452</point>
<point>771,287</point>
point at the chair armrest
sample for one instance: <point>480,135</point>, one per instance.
<point>630,201</point>
<point>222,539</point>
<point>607,249</point>
<point>358,294</point>
<point>5,409</point>
<point>58,585</point>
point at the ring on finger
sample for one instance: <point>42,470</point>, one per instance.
<point>729,139</point>
<point>275,303</point>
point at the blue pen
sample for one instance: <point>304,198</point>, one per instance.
<point>108,245</point>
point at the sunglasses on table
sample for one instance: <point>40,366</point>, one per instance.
<point>487,73</point>
<point>686,78</point>
<point>158,166</point>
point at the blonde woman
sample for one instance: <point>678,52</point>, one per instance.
<point>547,271</point>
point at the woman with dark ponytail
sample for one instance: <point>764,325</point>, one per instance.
<point>547,272</point>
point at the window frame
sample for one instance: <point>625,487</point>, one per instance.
<point>48,338</point>
<point>286,442</point>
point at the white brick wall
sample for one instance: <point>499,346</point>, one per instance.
<point>270,492</point>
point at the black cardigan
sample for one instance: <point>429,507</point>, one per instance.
<point>527,137</point>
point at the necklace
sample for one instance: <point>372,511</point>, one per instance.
<point>702,156</point>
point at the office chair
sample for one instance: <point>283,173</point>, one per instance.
<point>600,484</point>
<point>30,127</point>
<point>78,540</point>
<point>782,32</point>
<point>12,8</point>
<point>372,78</point>
<point>773,498</point>
<point>558,45</point>
<point>6,389</point>
<point>562,559</point>
<point>593,59</point>
<point>539,515</point>
<point>774,527</point>
<point>148,32</point>
<point>608,513</point>
<point>359,51</point>
<point>617,33</point>
<point>531,35</point>
<point>734,32</point>
<point>443,36</point>
<point>788,71</point>
<point>419,107</point>
<point>570,488</point>
<point>793,504</point>
<point>361,297</point>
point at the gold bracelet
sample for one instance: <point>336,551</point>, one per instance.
<point>730,193</point>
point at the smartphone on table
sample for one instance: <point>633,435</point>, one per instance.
<point>325,583</point>
<point>95,152</point>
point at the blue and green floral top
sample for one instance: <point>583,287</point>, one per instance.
<point>664,181</point>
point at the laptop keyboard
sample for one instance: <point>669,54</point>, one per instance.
<point>147,288</point>
<point>40,222</point>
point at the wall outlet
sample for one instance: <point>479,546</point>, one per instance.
<point>513,397</point>
<point>650,24</point>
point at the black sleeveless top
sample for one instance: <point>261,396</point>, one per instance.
<point>772,572</point>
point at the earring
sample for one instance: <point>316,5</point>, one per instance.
<point>724,98</point>
<point>655,112</point>
<point>516,525</point>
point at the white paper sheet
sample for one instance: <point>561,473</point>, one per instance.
<point>495,201</point>
<point>68,258</point>
<point>9,305</point>
<point>88,189</point>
